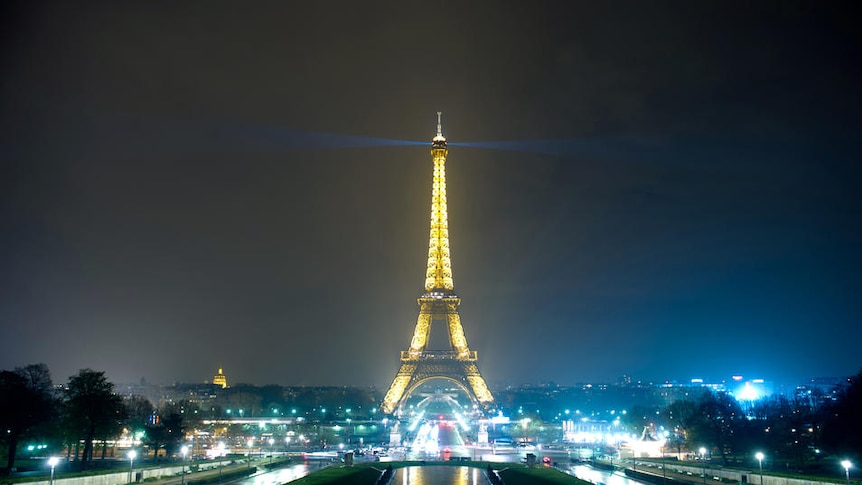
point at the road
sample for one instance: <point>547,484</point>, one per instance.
<point>597,476</point>
<point>294,472</point>
<point>280,475</point>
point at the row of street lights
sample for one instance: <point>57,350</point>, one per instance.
<point>847,464</point>
<point>132,454</point>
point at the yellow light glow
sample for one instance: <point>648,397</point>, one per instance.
<point>418,364</point>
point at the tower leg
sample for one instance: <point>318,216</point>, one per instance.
<point>399,385</point>
<point>477,383</point>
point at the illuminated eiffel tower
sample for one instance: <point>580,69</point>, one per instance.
<point>439,303</point>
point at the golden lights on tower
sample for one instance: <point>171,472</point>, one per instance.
<point>438,275</point>
<point>438,303</point>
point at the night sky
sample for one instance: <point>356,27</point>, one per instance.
<point>661,189</point>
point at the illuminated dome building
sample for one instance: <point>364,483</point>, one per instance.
<point>220,379</point>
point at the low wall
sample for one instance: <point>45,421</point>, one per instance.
<point>121,478</point>
<point>752,477</point>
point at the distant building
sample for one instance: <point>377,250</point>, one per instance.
<point>220,379</point>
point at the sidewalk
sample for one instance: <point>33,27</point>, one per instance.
<point>209,473</point>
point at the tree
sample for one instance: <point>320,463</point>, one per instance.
<point>139,412</point>
<point>93,409</point>
<point>248,402</point>
<point>842,427</point>
<point>678,416</point>
<point>638,418</point>
<point>718,423</point>
<point>168,429</point>
<point>787,428</point>
<point>26,401</point>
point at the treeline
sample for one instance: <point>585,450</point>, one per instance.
<point>84,411</point>
<point>314,403</point>
<point>78,416</point>
<point>795,434</point>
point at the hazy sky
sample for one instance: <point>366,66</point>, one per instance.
<point>662,189</point>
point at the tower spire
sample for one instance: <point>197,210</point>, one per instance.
<point>439,141</point>
<point>438,274</point>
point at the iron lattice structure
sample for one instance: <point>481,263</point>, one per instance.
<point>438,303</point>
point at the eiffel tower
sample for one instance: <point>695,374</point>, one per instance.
<point>439,303</point>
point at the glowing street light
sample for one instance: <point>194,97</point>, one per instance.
<point>663,466</point>
<point>847,466</point>
<point>250,442</point>
<point>760,457</point>
<point>703,463</point>
<point>221,454</point>
<point>271,442</point>
<point>184,450</point>
<point>132,454</point>
<point>524,423</point>
<point>52,462</point>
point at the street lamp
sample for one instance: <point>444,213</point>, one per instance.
<point>271,442</point>
<point>759,457</point>
<point>248,463</point>
<point>703,463</point>
<point>132,454</point>
<point>847,465</point>
<point>184,450</point>
<point>663,465</point>
<point>221,454</point>
<point>52,462</point>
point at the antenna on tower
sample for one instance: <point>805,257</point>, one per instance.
<point>439,141</point>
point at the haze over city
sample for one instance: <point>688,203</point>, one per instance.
<point>666,190</point>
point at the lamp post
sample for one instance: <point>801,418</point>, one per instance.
<point>132,454</point>
<point>663,466</point>
<point>52,462</point>
<point>184,450</point>
<point>248,463</point>
<point>221,453</point>
<point>271,442</point>
<point>847,465</point>
<point>759,457</point>
<point>703,464</point>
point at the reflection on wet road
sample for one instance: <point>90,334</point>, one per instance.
<point>456,475</point>
<point>432,475</point>
<point>281,475</point>
<point>595,475</point>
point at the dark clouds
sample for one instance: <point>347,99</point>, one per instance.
<point>166,210</point>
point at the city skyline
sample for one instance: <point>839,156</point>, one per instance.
<point>737,385</point>
<point>666,191</point>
